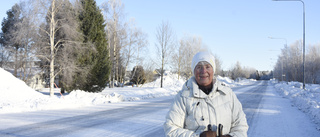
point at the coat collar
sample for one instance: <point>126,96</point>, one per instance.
<point>197,92</point>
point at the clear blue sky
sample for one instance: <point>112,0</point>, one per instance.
<point>234,30</point>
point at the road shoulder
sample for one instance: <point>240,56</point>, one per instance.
<point>276,116</point>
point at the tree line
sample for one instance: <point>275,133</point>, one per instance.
<point>289,65</point>
<point>78,42</point>
<point>88,47</point>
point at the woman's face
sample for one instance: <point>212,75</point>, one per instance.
<point>203,73</point>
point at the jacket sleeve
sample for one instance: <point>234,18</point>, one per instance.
<point>175,119</point>
<point>239,126</point>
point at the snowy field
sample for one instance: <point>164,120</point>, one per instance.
<point>17,97</point>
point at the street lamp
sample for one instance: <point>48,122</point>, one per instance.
<point>281,59</point>
<point>303,69</point>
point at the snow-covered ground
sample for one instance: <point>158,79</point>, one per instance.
<point>277,116</point>
<point>307,100</point>
<point>17,97</point>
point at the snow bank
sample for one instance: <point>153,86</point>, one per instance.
<point>13,89</point>
<point>307,100</point>
<point>231,83</point>
<point>16,96</point>
<point>169,80</point>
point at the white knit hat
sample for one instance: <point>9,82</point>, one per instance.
<point>203,56</point>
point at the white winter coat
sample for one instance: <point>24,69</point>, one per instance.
<point>192,110</point>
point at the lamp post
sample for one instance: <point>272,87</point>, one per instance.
<point>281,59</point>
<point>303,69</point>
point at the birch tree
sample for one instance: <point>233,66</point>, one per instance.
<point>50,40</point>
<point>52,10</point>
<point>126,41</point>
<point>129,51</point>
<point>113,12</point>
<point>165,45</point>
<point>139,47</point>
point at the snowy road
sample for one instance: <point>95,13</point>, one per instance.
<point>250,97</point>
<point>267,115</point>
<point>141,118</point>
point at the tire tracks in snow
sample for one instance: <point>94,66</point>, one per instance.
<point>251,99</point>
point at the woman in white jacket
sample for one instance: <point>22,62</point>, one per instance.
<point>205,102</point>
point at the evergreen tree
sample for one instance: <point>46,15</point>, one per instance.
<point>9,27</point>
<point>92,25</point>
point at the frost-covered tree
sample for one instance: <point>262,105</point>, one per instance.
<point>239,71</point>
<point>290,64</point>
<point>165,45</point>
<point>47,42</point>
<point>58,40</point>
<point>182,58</point>
<point>236,71</point>
<point>126,41</point>
<point>17,37</point>
<point>218,64</point>
<point>313,64</point>
<point>71,46</point>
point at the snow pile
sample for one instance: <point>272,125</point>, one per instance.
<point>307,100</point>
<point>15,94</point>
<point>169,80</point>
<point>227,81</point>
<point>231,83</point>
<point>13,89</point>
